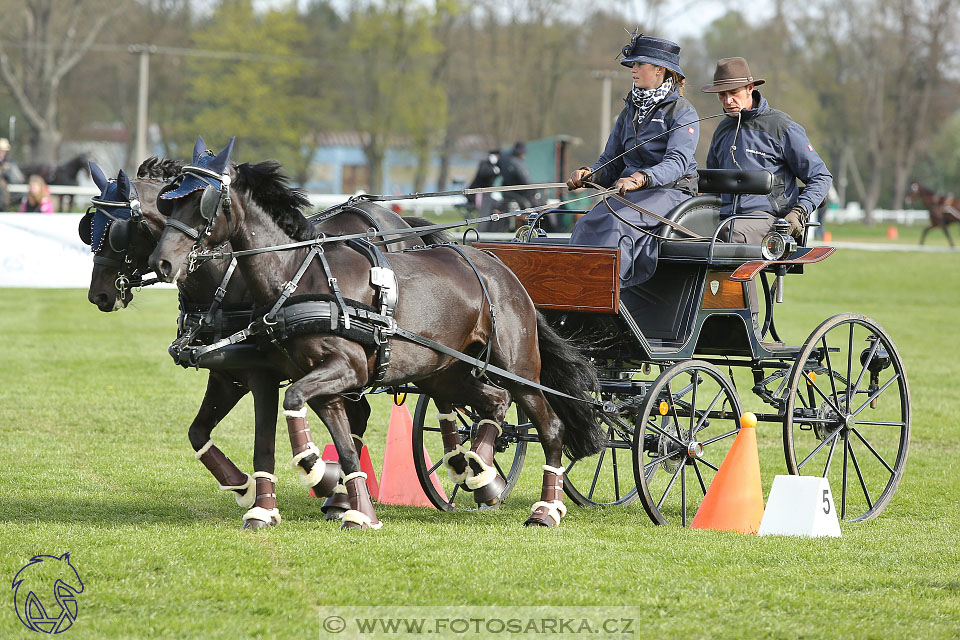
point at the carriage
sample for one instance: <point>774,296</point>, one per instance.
<point>670,410</point>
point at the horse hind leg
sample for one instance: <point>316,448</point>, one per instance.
<point>358,413</point>
<point>549,510</point>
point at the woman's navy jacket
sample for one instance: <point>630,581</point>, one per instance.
<point>769,139</point>
<point>668,160</point>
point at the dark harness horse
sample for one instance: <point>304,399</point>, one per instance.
<point>123,241</point>
<point>64,173</point>
<point>943,209</point>
<point>457,299</point>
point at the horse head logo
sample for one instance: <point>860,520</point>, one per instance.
<point>45,593</point>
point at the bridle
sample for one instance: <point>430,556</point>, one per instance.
<point>124,216</point>
<point>215,197</point>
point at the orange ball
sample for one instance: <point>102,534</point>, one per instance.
<point>748,420</point>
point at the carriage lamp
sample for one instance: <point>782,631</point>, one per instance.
<point>778,243</point>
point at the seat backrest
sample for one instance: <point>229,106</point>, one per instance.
<point>734,181</point>
<point>700,214</point>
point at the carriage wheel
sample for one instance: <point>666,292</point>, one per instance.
<point>847,414</point>
<point>688,423</point>
<point>604,479</point>
<point>428,453</point>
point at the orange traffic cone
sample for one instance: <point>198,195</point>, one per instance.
<point>398,479</point>
<point>827,236</point>
<point>892,233</point>
<point>734,501</point>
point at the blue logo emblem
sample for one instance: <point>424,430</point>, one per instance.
<point>45,593</point>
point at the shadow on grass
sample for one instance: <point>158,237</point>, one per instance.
<point>110,511</point>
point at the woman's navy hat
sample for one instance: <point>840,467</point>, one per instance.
<point>657,51</point>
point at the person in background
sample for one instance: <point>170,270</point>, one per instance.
<point>656,176</point>
<point>9,173</point>
<point>756,136</point>
<point>487,173</point>
<point>515,172</point>
<point>37,199</point>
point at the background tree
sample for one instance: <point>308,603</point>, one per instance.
<point>39,50</point>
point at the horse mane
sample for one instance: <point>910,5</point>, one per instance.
<point>268,187</point>
<point>154,168</point>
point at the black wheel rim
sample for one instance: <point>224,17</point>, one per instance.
<point>428,453</point>
<point>605,479</point>
<point>848,414</point>
<point>689,421</point>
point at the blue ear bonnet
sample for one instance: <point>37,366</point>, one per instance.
<point>211,167</point>
<point>113,203</point>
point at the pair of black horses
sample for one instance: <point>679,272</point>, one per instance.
<point>464,299</point>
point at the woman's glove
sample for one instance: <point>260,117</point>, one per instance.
<point>631,183</point>
<point>577,177</point>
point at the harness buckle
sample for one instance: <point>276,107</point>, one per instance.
<point>289,287</point>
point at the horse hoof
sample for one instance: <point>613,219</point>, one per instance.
<point>333,513</point>
<point>537,522</point>
<point>352,526</point>
<point>489,494</point>
<point>253,524</point>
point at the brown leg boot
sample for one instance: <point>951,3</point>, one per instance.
<point>227,475</point>
<point>550,509</point>
<point>453,451</point>
<point>361,514</point>
<point>482,476</point>
<point>264,513</point>
<point>320,475</point>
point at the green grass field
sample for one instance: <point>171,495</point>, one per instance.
<point>93,421</point>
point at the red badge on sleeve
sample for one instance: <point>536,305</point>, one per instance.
<point>810,146</point>
<point>691,130</point>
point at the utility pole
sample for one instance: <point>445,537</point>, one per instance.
<point>606,101</point>
<point>140,145</point>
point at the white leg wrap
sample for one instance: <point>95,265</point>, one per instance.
<point>263,474</point>
<point>248,496</point>
<point>557,470</point>
<point>452,416</point>
<point>494,423</point>
<point>339,489</point>
<point>264,515</point>
<point>360,518</point>
<point>555,509</point>
<point>313,478</point>
<point>482,479</point>
<point>203,449</point>
<point>300,413</point>
<point>456,478</point>
<point>357,442</point>
<point>355,474</point>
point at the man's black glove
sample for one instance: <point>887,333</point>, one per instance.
<point>797,218</point>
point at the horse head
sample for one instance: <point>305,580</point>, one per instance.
<point>121,228</point>
<point>194,203</point>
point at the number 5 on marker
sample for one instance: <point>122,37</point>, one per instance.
<point>827,501</point>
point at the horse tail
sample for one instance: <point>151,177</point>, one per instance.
<point>564,368</point>
<point>434,237</point>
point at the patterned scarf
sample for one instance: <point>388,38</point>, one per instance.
<point>646,99</point>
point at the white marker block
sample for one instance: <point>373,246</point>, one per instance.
<point>800,506</point>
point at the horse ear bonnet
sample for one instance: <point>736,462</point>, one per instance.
<point>165,206</point>
<point>99,179</point>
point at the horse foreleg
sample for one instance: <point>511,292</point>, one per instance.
<point>221,397</point>
<point>264,512</point>
<point>923,234</point>
<point>358,413</point>
<point>548,511</point>
<point>947,233</point>
<point>325,384</point>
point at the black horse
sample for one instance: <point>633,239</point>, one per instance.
<point>64,174</point>
<point>122,247</point>
<point>448,294</point>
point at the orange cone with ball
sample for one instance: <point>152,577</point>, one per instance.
<point>734,501</point>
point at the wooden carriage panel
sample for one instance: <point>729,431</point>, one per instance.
<point>721,292</point>
<point>562,277</point>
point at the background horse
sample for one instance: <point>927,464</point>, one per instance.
<point>64,173</point>
<point>446,294</point>
<point>943,209</point>
<point>229,380</point>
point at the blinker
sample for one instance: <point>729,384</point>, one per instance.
<point>209,203</point>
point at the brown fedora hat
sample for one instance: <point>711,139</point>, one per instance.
<point>731,73</point>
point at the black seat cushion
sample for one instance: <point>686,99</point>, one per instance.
<point>734,181</point>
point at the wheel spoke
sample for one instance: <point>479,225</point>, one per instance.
<point>849,393</point>
<point>596,474</point>
<point>872,450</point>
<point>453,495</point>
<point>820,446</point>
<point>826,467</point>
<point>696,430</point>
<point>676,416</point>
<point>695,381</point>
<point>833,383</point>
<point>651,425</point>
<point>434,467</point>
<point>497,465</point>
<point>703,486</point>
<point>669,486</point>
<point>656,461</point>
<point>720,437</point>
<point>829,401</point>
<point>876,394</point>
<point>616,473</point>
<point>843,495</point>
<point>683,490</point>
<point>881,423</point>
<point>709,464</point>
<point>866,364</point>
<point>856,467</point>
